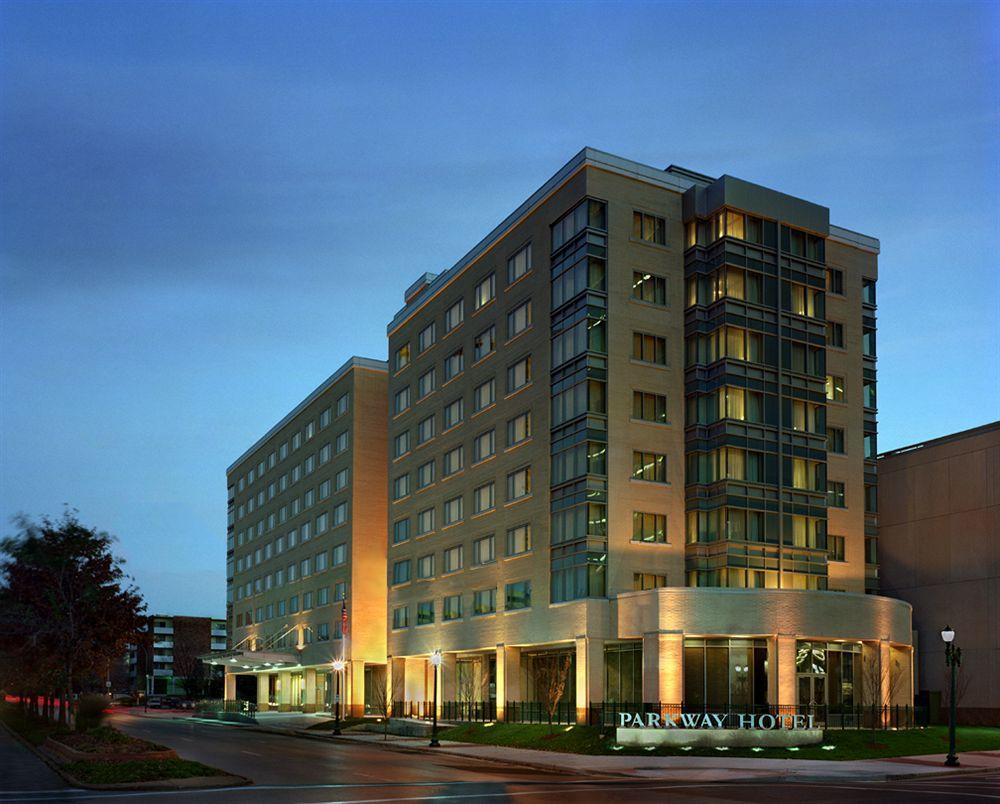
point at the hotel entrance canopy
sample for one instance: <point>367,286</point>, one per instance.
<point>250,660</point>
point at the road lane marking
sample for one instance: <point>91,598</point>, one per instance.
<point>251,753</point>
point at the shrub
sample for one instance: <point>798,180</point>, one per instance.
<point>90,712</point>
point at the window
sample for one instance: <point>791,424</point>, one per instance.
<point>454,315</point>
<point>649,228</point>
<point>649,527</point>
<point>649,407</point>
<point>340,590</point>
<point>401,359</point>
<point>835,440</point>
<point>453,461</point>
<point>453,414</point>
<point>835,494</point>
<point>339,555</point>
<point>324,489</point>
<point>425,566</point>
<point>320,561</point>
<point>322,523</point>
<point>868,291</point>
<point>401,400</point>
<point>484,601</point>
<point>400,531</point>
<point>485,395</point>
<point>426,383</point>
<point>519,374</point>
<point>835,281</point>
<point>834,548</point>
<point>323,632</point>
<point>802,300</point>
<point>307,601</point>
<point>483,446</point>
<point>340,479</point>
<point>426,338</point>
<point>483,498</point>
<point>649,466</point>
<point>588,213</point>
<point>293,604</point>
<point>868,342</point>
<point>869,394</point>
<point>871,450</point>
<point>342,404</point>
<point>519,264</point>
<point>453,558</point>
<point>519,484</point>
<point>425,430</point>
<point>484,550</point>
<point>519,429</point>
<point>835,334</point>
<point>485,343</point>
<point>425,522</point>
<point>518,319</point>
<point>519,540</point>
<point>401,571</point>
<point>341,442</point>
<point>649,288</point>
<point>305,568</point>
<point>325,453</point>
<point>453,511</point>
<point>452,608</point>
<point>401,444</point>
<point>400,487</point>
<point>425,475</point>
<point>485,291</point>
<point>453,365</point>
<point>425,612</point>
<point>649,348</point>
<point>401,617</point>
<point>644,580</point>
<point>517,596</point>
<point>834,388</point>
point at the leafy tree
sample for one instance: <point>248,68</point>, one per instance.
<point>67,608</point>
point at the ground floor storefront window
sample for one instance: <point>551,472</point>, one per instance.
<point>828,673</point>
<point>725,674</point>
<point>623,672</point>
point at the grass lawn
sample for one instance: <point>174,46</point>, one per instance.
<point>847,744</point>
<point>142,770</point>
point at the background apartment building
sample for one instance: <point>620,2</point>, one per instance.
<point>307,549</point>
<point>635,428</point>
<point>166,659</point>
<point>940,549</point>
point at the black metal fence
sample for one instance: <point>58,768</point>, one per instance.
<point>229,709</point>
<point>732,717</point>
<point>471,711</point>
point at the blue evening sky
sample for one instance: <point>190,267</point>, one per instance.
<point>207,207</point>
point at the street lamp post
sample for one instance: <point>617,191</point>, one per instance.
<point>435,663</point>
<point>338,668</point>
<point>952,659</point>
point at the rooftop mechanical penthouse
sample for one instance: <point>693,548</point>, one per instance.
<point>635,427</point>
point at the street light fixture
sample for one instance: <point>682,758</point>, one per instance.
<point>338,668</point>
<point>952,659</point>
<point>436,660</point>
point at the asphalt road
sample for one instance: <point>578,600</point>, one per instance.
<point>289,769</point>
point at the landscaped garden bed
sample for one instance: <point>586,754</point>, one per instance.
<point>106,744</point>
<point>836,745</point>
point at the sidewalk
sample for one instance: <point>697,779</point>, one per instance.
<point>688,769</point>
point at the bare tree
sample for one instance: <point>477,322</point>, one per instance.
<point>384,690</point>
<point>880,682</point>
<point>962,681</point>
<point>471,684</point>
<point>550,674</point>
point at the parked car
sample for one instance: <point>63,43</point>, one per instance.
<point>156,702</point>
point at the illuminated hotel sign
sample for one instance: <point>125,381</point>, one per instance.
<point>709,720</point>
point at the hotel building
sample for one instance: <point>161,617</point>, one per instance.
<point>634,427</point>
<point>307,550</point>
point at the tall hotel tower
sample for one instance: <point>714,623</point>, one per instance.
<point>634,427</point>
